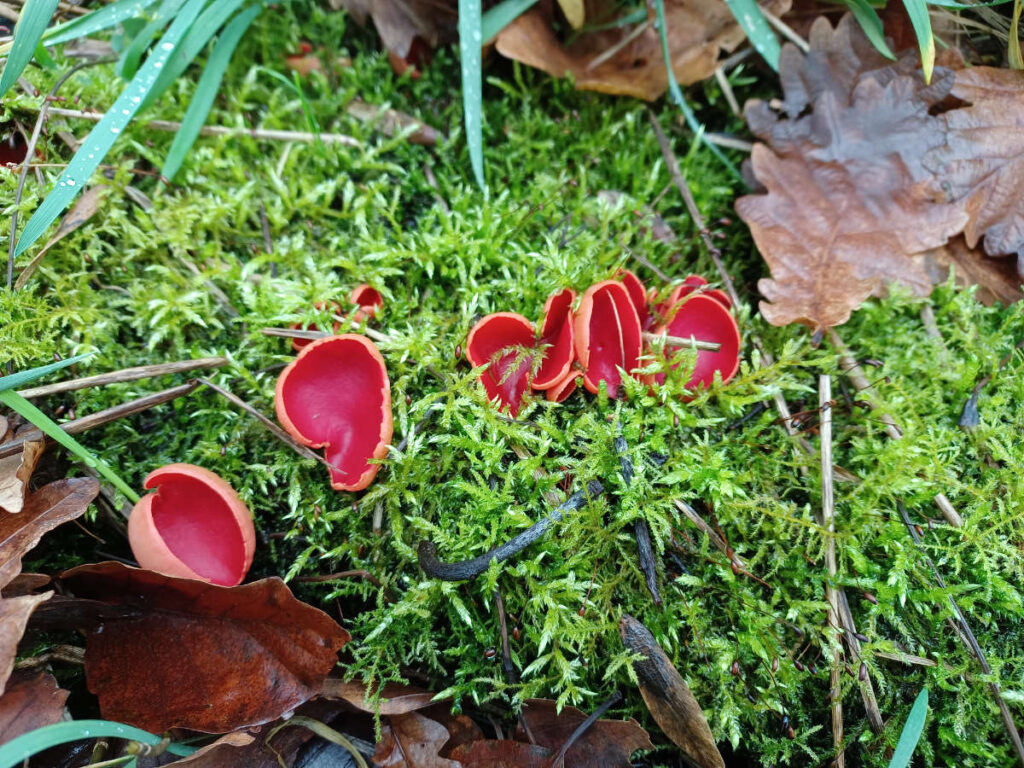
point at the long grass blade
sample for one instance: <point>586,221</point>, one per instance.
<point>1013,54</point>
<point>748,15</point>
<point>917,10</point>
<point>470,40</point>
<point>35,15</point>
<point>128,64</point>
<point>911,733</point>
<point>21,378</point>
<point>101,138</point>
<point>102,18</point>
<point>870,22</point>
<point>206,26</point>
<point>206,90</point>
<point>16,751</point>
<point>501,15</point>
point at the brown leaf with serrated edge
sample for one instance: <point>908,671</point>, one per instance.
<point>44,510</point>
<point>412,741</point>
<point>604,743</point>
<point>201,656</point>
<point>502,753</point>
<point>982,160</point>
<point>668,697</point>
<point>30,700</point>
<point>997,278</point>
<point>14,614</point>
<point>15,472</point>
<point>699,30</point>
<point>392,699</point>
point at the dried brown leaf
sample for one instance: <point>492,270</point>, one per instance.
<point>412,741</point>
<point>200,656</point>
<point>393,122</point>
<point>699,30</point>
<point>502,753</point>
<point>668,697</point>
<point>997,279</point>
<point>30,700</point>
<point>405,24</point>
<point>15,472</point>
<point>44,510</point>
<point>393,699</point>
<point>231,749</point>
<point>605,743</point>
<point>14,614</point>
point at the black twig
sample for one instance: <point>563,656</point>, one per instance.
<point>556,761</point>
<point>641,529</point>
<point>470,569</point>
<point>506,652</point>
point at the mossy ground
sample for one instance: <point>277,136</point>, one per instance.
<point>340,216</point>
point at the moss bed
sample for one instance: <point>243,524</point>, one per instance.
<point>468,479</point>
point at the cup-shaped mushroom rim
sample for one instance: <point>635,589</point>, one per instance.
<point>490,336</point>
<point>193,525</point>
<point>607,309</point>
<point>637,294</point>
<point>706,319</point>
<point>368,301</point>
<point>561,389</point>
<point>557,334</point>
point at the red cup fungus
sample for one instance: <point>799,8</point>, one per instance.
<point>564,387</point>
<point>637,294</point>
<point>336,395</point>
<point>557,336</point>
<point>330,307</point>
<point>608,335</point>
<point>368,301</point>
<point>192,526</point>
<point>500,341</point>
<point>703,317</point>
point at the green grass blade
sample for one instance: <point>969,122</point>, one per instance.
<point>501,15</point>
<point>1013,53</point>
<point>295,86</point>
<point>755,25</point>
<point>35,15</point>
<point>676,94</point>
<point>922,24</point>
<point>103,18</point>
<point>911,732</point>
<point>206,90</point>
<point>869,21</point>
<point>16,751</point>
<point>128,64</point>
<point>49,427</point>
<point>22,378</point>
<point>206,26</point>
<point>470,39</point>
<point>102,137</point>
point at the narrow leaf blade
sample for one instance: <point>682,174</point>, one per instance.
<point>870,22</point>
<point>35,15</point>
<point>917,10</point>
<point>911,732</point>
<point>100,19</point>
<point>22,378</point>
<point>470,40</point>
<point>501,15</point>
<point>748,15</point>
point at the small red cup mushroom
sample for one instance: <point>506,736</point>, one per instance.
<point>557,336</point>
<point>367,300</point>
<point>702,317</point>
<point>498,341</point>
<point>608,335</point>
<point>324,306</point>
<point>564,387</point>
<point>192,526</point>
<point>637,294</point>
<point>336,395</point>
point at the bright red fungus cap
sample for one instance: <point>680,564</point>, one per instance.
<point>637,294</point>
<point>332,307</point>
<point>608,335</point>
<point>704,318</point>
<point>368,300</point>
<point>564,387</point>
<point>193,526</point>
<point>557,334</point>
<point>336,395</point>
<point>497,341</point>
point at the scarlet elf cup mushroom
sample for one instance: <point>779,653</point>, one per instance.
<point>336,395</point>
<point>192,526</point>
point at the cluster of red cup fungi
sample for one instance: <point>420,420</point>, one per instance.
<point>335,395</point>
<point>603,336</point>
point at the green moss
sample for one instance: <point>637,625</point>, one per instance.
<point>122,286</point>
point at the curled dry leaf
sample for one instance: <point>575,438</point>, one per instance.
<point>201,656</point>
<point>405,26</point>
<point>14,615</point>
<point>393,699</point>
<point>15,472</point>
<point>668,697</point>
<point>605,744</point>
<point>698,31</point>
<point>412,741</point>
<point>30,700</point>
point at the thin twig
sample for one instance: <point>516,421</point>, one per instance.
<point>711,533</point>
<point>358,573</point>
<point>641,529</point>
<point>222,130</point>
<point>723,82</point>
<point>98,419</point>
<point>679,341</point>
<point>786,31</point>
<point>867,688</point>
<point>948,511</point>
<point>907,658</point>
<point>559,757</point>
<point>125,374</point>
<point>828,521</point>
<point>852,369</point>
<point>506,652</point>
<point>280,434</point>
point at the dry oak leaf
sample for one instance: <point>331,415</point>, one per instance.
<point>982,161</point>
<point>606,743</point>
<point>997,279</point>
<point>31,700</point>
<point>404,25</point>
<point>392,699</point>
<point>412,741</point>
<point>699,30</point>
<point>200,656</point>
<point>14,614</point>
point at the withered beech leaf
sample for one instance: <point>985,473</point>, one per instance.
<point>606,743</point>
<point>402,24</point>
<point>392,699</point>
<point>502,753</point>
<point>982,161</point>
<point>699,30</point>
<point>997,279</point>
<point>14,614</point>
<point>412,741</point>
<point>15,472</point>
<point>229,750</point>
<point>668,697</point>
<point>44,510</point>
<point>201,656</point>
<point>30,700</point>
